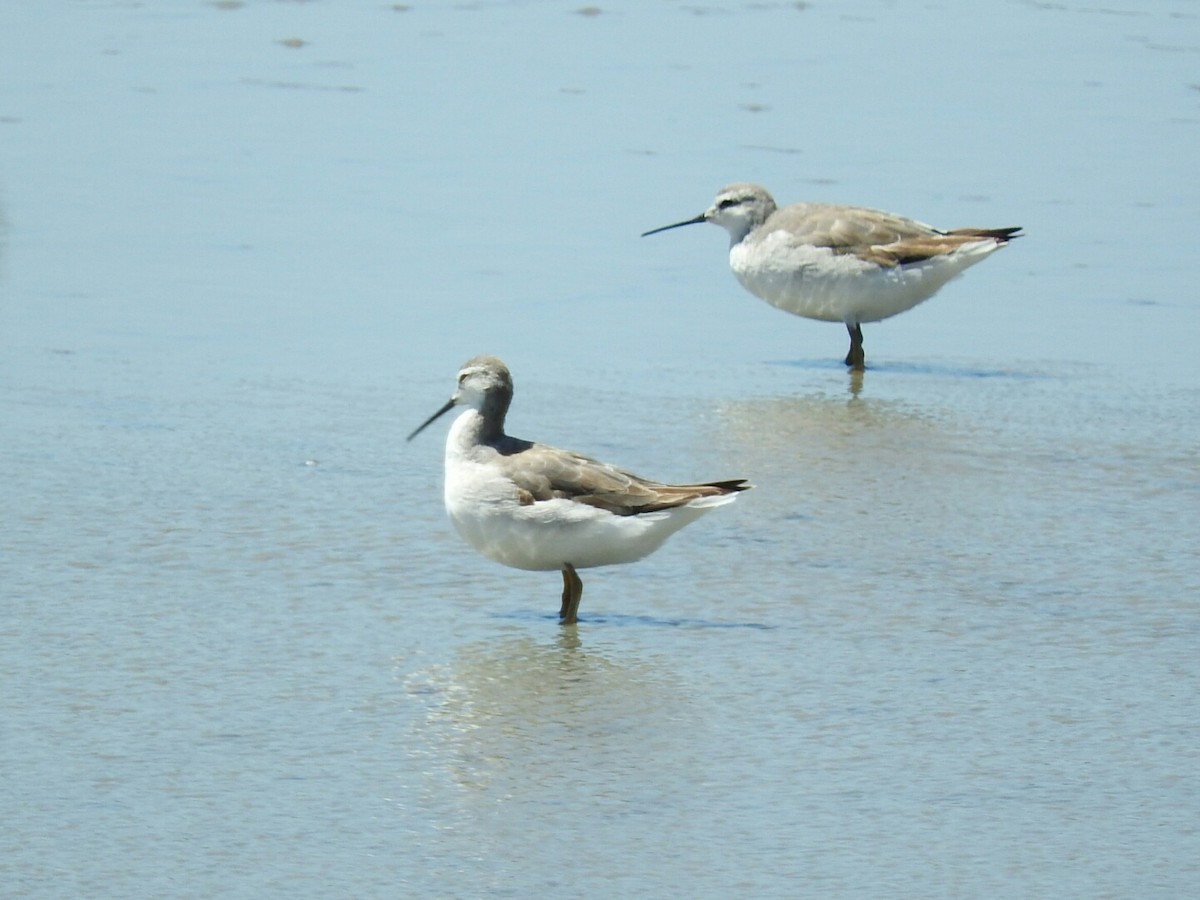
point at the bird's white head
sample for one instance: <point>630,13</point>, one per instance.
<point>739,209</point>
<point>482,378</point>
<point>485,385</point>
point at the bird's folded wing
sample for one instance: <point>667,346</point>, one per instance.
<point>917,248</point>
<point>850,229</point>
<point>547,473</point>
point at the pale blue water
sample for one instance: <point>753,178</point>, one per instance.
<point>947,647</point>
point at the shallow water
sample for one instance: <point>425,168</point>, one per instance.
<point>947,646</point>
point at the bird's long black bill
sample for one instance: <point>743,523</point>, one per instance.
<point>441,412</point>
<point>696,221</point>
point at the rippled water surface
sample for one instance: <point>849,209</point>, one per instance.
<point>947,647</point>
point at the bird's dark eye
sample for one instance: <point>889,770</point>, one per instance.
<point>728,202</point>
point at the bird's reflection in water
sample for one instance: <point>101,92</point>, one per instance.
<point>848,483</point>
<point>521,714</point>
<point>840,434</point>
<point>855,381</point>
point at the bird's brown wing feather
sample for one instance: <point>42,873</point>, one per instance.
<point>880,237</point>
<point>547,473</point>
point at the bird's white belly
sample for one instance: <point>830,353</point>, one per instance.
<point>544,535</point>
<point>815,283</point>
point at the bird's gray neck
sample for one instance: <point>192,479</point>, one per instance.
<point>484,425</point>
<point>743,226</point>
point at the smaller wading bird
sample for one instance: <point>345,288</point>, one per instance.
<point>840,263</point>
<point>530,506</point>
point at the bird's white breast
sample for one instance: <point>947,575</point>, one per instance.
<point>816,283</point>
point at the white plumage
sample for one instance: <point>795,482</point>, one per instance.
<point>844,264</point>
<point>531,506</point>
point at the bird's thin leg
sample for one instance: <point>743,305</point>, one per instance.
<point>566,597</point>
<point>856,358</point>
<point>572,593</point>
